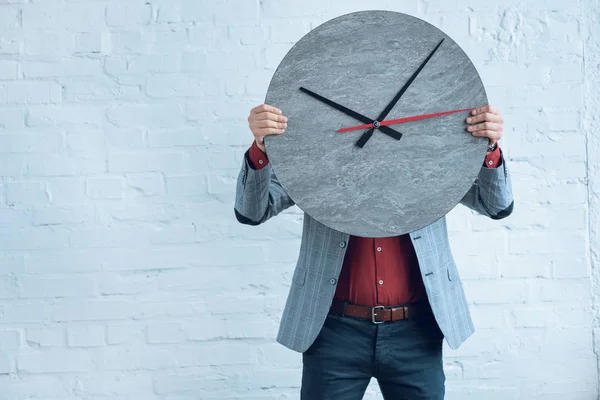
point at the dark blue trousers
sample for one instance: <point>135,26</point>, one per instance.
<point>404,356</point>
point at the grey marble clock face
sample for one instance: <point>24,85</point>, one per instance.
<point>388,187</point>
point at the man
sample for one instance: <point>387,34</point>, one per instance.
<point>361,307</point>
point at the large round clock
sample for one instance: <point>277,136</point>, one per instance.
<point>376,143</point>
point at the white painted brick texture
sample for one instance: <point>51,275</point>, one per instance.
<point>123,272</point>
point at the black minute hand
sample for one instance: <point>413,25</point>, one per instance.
<point>367,135</point>
<point>388,131</point>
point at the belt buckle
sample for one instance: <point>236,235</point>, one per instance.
<point>374,314</point>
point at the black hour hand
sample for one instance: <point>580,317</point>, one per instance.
<point>385,129</point>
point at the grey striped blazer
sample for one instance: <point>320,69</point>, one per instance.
<point>259,196</point>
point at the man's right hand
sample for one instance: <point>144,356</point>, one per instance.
<point>266,120</point>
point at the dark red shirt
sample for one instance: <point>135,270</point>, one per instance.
<point>377,271</point>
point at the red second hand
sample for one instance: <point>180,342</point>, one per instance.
<point>405,119</point>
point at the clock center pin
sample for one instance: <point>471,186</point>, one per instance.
<point>376,124</point>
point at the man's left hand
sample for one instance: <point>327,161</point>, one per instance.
<point>487,122</point>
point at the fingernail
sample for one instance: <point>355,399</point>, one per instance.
<point>469,120</point>
<point>473,112</point>
<point>284,119</point>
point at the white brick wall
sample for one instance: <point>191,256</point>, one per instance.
<point>123,273</point>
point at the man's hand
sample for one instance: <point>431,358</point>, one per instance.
<point>486,121</point>
<point>266,120</point>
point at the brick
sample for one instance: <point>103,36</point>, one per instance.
<point>204,35</point>
<point>495,291</point>
<point>12,165</point>
<point>99,237</point>
<point>10,17</point>
<point>10,339</point>
<point>250,34</point>
<point>127,283</point>
<point>567,266</point>
<point>86,336</point>
<point>49,43</point>
<point>276,9</point>
<point>490,316</point>
<point>64,67</point>
<point>91,310</point>
<point>63,191</point>
<point>12,217</point>
<point>125,333</point>
<point>8,69</point>
<point>168,12</point>
<point>30,311</point>
<point>49,165</point>
<point>91,42</point>
<point>530,317</point>
<point>63,115</point>
<point>105,188</point>
<point>177,86</point>
<point>563,291</point>
<point>41,16</point>
<point>185,381</point>
<point>26,193</point>
<point>288,31</point>
<point>152,184</point>
<point>12,118</point>
<point>32,92</point>
<point>34,239</point>
<point>130,42</point>
<point>110,384</point>
<point>141,162</point>
<point>68,262</point>
<point>562,120</point>
<point>142,64</point>
<point>48,386</point>
<point>9,285</point>
<point>30,143</point>
<point>169,41</point>
<point>198,12</point>
<point>126,15</point>
<point>12,263</point>
<point>221,183</point>
<point>56,287</point>
<point>124,139</point>
<point>157,116</point>
<point>11,45</point>
<point>84,17</point>
<point>174,235</point>
<point>525,266</point>
<point>187,185</point>
<point>165,333</point>
<point>54,361</point>
<point>86,89</point>
<point>6,364</point>
<point>45,216</point>
<point>552,219</point>
<point>546,243</point>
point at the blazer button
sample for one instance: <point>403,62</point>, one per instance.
<point>342,244</point>
<point>332,281</point>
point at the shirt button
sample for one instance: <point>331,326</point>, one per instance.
<point>379,249</point>
<point>381,282</point>
<point>342,244</point>
<point>490,162</point>
<point>332,281</point>
<point>261,162</point>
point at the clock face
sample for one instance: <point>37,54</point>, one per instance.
<point>387,177</point>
